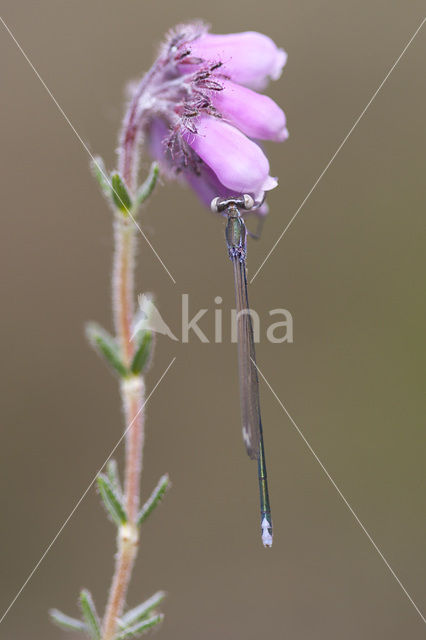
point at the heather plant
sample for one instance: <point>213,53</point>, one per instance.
<point>197,112</point>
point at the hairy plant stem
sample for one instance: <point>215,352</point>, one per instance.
<point>123,288</point>
<point>132,391</point>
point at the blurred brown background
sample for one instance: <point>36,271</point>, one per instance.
<point>350,269</point>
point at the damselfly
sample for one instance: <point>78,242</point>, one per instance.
<point>236,240</point>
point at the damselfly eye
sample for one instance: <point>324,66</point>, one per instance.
<point>248,201</point>
<point>213,205</point>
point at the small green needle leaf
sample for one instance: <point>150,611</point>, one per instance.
<point>148,186</point>
<point>142,353</point>
<point>106,346</point>
<point>154,499</point>
<point>100,174</point>
<point>90,615</point>
<point>113,476</point>
<point>140,627</point>
<point>120,195</point>
<point>112,500</point>
<point>141,611</point>
<point>66,622</point>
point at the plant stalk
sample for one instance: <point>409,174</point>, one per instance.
<point>132,392</point>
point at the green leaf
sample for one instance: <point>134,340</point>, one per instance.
<point>106,346</point>
<point>112,500</point>
<point>120,195</point>
<point>142,610</point>
<point>154,499</point>
<point>145,190</point>
<point>140,627</point>
<point>101,175</point>
<point>90,615</point>
<point>66,622</point>
<point>113,476</point>
<point>142,353</point>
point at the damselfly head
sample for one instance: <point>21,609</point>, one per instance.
<point>245,202</point>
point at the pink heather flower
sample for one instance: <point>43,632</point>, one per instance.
<point>250,58</point>
<point>197,108</point>
<point>238,162</point>
<point>255,114</point>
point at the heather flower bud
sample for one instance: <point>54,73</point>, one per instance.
<point>238,162</point>
<point>255,114</point>
<point>249,58</point>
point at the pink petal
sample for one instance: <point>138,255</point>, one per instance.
<point>239,163</point>
<point>206,185</point>
<point>256,115</point>
<point>249,58</point>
